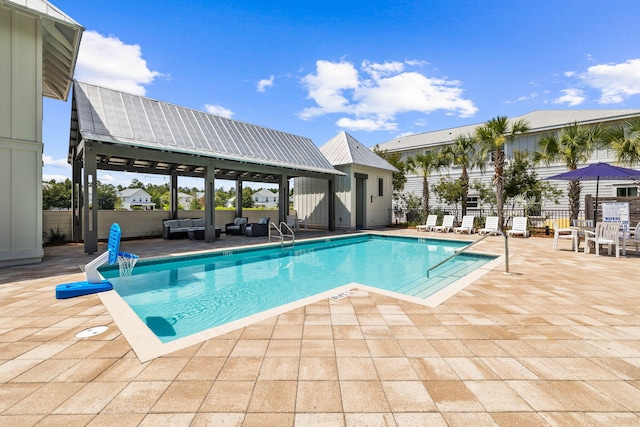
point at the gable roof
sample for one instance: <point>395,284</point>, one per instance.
<point>265,193</point>
<point>343,149</point>
<point>60,44</point>
<point>128,192</point>
<point>131,121</point>
<point>539,121</point>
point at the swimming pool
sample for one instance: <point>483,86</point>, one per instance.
<point>181,296</point>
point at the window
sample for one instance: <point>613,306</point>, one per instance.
<point>472,201</point>
<point>380,187</point>
<point>627,192</point>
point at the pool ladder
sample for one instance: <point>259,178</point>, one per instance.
<point>506,252</point>
<point>284,231</point>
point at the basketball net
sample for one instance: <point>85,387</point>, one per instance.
<point>126,262</point>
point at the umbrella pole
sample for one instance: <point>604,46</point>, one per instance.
<point>595,207</point>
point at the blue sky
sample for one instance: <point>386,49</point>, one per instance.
<point>376,69</point>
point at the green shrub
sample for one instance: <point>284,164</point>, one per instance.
<point>55,236</point>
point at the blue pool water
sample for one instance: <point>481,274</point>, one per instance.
<point>181,296</point>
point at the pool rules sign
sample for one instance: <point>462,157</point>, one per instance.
<point>616,212</point>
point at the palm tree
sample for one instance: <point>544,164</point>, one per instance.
<point>463,152</point>
<point>493,137</point>
<point>625,144</point>
<point>424,165</point>
<point>574,146</point>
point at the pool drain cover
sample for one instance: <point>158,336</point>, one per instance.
<point>91,331</point>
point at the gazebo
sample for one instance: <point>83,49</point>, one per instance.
<point>113,130</point>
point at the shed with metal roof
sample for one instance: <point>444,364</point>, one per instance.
<point>363,195</point>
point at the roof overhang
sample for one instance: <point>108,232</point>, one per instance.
<point>60,44</point>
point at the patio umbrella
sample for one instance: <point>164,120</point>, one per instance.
<point>598,171</point>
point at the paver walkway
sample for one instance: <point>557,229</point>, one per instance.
<point>556,342</point>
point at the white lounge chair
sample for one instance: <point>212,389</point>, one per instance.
<point>518,227</point>
<point>606,233</point>
<point>466,226</point>
<point>428,226</point>
<point>564,233</point>
<point>447,224</point>
<point>490,226</point>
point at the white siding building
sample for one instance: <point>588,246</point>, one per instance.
<point>133,198</point>
<point>363,196</point>
<point>541,122</point>
<point>38,51</point>
<point>265,198</point>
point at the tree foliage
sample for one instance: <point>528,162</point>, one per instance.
<point>56,195</point>
<point>625,142</point>
<point>493,137</point>
<point>424,165</point>
<point>572,147</point>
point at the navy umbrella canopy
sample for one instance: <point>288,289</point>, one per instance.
<point>596,172</point>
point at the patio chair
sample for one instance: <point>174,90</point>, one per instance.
<point>565,233</point>
<point>490,226</point>
<point>466,226</point>
<point>238,226</point>
<point>258,229</point>
<point>634,235</point>
<point>606,233</point>
<point>447,224</point>
<point>518,227</point>
<point>428,226</point>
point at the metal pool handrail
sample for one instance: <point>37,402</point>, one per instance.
<point>506,252</point>
<point>280,229</point>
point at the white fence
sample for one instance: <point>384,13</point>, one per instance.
<point>141,223</point>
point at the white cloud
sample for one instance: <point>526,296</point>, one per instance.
<point>375,94</point>
<point>59,163</point>
<point>263,84</point>
<point>616,82</point>
<point>365,124</point>
<point>219,110</point>
<point>46,177</point>
<point>571,97</point>
<point>108,62</point>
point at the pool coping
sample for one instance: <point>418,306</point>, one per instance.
<point>147,346</point>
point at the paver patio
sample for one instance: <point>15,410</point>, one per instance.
<point>556,342</point>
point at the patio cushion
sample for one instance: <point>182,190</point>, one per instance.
<point>240,221</point>
<point>198,222</point>
<point>172,223</point>
<point>263,221</point>
<point>185,223</point>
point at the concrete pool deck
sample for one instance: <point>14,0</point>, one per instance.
<point>556,342</point>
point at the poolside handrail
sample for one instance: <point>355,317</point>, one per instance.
<point>506,252</point>
<point>284,225</point>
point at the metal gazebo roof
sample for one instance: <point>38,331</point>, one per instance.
<point>239,150</point>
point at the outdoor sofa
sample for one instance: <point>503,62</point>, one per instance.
<point>179,228</point>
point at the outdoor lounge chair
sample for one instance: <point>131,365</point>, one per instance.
<point>466,226</point>
<point>238,226</point>
<point>606,233</point>
<point>258,229</point>
<point>490,226</point>
<point>447,224</point>
<point>565,233</point>
<point>518,227</point>
<point>428,226</point>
